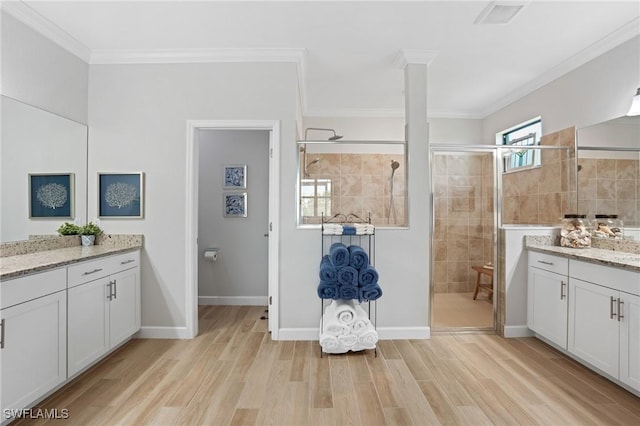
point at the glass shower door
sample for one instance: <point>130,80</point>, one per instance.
<point>463,245</point>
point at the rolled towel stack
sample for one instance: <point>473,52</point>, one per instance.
<point>332,229</point>
<point>345,273</point>
<point>348,229</point>
<point>344,327</point>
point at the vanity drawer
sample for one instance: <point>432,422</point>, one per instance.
<point>607,276</point>
<point>94,269</point>
<point>29,287</point>
<point>549,262</point>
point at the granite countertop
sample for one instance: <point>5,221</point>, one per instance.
<point>619,259</point>
<point>24,264</point>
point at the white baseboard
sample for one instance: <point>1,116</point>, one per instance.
<point>511,331</point>
<point>384,333</point>
<point>233,300</point>
<point>163,333</point>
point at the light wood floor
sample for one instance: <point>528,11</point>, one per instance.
<point>460,310</point>
<point>234,374</point>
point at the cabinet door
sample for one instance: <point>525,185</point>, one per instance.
<point>124,307</point>
<point>34,354</point>
<point>547,305</point>
<point>88,324</point>
<point>593,325</point>
<point>630,340</point>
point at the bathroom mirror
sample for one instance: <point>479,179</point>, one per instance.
<point>609,170</point>
<point>364,178</point>
<point>37,142</point>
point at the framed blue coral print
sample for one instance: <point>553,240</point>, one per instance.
<point>51,195</point>
<point>121,195</point>
<point>234,176</point>
<point>235,204</point>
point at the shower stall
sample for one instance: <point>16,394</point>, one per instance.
<point>463,245</point>
<point>476,196</point>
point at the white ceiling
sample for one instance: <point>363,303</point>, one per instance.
<point>349,64</point>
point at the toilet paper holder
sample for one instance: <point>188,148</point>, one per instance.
<point>211,254</point>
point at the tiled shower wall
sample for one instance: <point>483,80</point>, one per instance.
<point>463,187</point>
<point>610,186</point>
<point>542,195</point>
<point>361,184</point>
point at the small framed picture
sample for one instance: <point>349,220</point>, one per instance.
<point>51,195</point>
<point>234,176</point>
<point>235,204</point>
<point>121,195</point>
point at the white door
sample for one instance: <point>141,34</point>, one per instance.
<point>123,305</point>
<point>34,356</point>
<point>593,325</point>
<point>88,330</point>
<point>547,305</point>
<point>630,340</point>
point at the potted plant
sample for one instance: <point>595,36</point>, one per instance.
<point>88,233</point>
<point>69,229</point>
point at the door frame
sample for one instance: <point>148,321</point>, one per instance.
<point>191,223</point>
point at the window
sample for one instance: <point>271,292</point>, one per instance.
<point>315,197</point>
<point>524,134</point>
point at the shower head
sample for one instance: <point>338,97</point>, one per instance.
<point>335,136</point>
<point>394,165</point>
<point>311,163</point>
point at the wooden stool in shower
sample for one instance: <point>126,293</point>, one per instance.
<point>480,285</point>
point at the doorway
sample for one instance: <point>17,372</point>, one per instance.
<point>463,239</point>
<point>271,228</point>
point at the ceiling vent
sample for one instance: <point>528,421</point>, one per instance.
<point>499,13</point>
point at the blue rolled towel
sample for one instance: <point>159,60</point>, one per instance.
<point>348,292</point>
<point>327,271</point>
<point>348,230</point>
<point>370,292</point>
<point>358,258</point>
<point>348,275</point>
<point>327,290</point>
<point>367,276</point>
<point>339,255</point>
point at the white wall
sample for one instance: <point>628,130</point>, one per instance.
<point>137,120</point>
<point>597,91</point>
<point>239,276</point>
<point>441,130</point>
<point>38,72</point>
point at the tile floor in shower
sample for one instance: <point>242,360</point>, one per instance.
<point>460,310</point>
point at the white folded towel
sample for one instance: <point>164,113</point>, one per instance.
<point>347,341</point>
<point>361,322</point>
<point>368,339</point>
<point>335,328</point>
<point>330,344</point>
<point>332,229</point>
<point>343,310</point>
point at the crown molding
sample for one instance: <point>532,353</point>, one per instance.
<point>414,56</point>
<point>625,33</point>
<point>182,56</point>
<point>39,23</point>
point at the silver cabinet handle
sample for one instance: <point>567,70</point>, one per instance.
<point>620,303</point>
<point>2,333</point>
<point>562,284</point>
<point>127,261</point>
<point>110,287</point>
<point>545,262</point>
<point>613,301</point>
<point>92,272</point>
<point>115,289</point>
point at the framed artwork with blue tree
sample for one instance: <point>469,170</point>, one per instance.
<point>235,204</point>
<point>234,176</point>
<point>51,195</point>
<point>121,195</point>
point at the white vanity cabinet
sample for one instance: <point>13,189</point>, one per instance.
<point>33,335</point>
<point>103,307</point>
<point>604,320</point>
<point>547,291</point>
